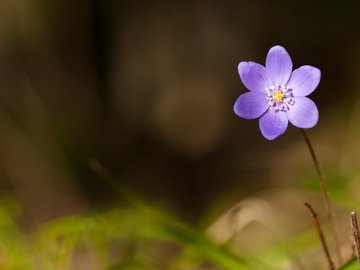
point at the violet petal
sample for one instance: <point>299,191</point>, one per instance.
<point>304,113</point>
<point>251,105</point>
<point>279,65</point>
<point>273,124</point>
<point>304,80</point>
<point>254,76</point>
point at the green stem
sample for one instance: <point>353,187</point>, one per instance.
<point>325,193</point>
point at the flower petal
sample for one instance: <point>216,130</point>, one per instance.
<point>254,76</point>
<point>279,65</point>
<point>273,124</point>
<point>304,113</point>
<point>304,80</point>
<point>251,105</point>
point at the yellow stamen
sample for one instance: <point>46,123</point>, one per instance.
<point>278,95</point>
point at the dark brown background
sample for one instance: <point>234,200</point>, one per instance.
<point>147,87</point>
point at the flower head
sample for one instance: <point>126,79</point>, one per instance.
<point>277,94</point>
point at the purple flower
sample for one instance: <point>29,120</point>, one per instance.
<point>278,94</point>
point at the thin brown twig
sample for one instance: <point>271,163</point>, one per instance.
<point>325,194</point>
<point>352,242</point>
<point>317,226</point>
<point>355,229</point>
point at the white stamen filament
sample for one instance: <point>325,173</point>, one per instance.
<point>280,97</point>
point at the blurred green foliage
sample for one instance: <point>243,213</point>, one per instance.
<point>138,235</point>
<point>137,232</point>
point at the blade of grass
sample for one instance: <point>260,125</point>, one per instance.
<point>172,226</point>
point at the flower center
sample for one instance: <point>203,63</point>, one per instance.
<point>280,98</point>
<point>278,95</point>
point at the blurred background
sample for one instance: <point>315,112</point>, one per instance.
<point>148,87</point>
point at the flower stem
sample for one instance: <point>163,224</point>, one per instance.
<point>317,226</point>
<point>325,193</point>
